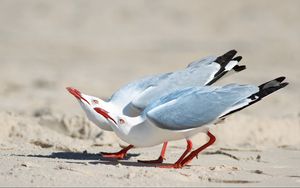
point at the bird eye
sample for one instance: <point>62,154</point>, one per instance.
<point>94,101</point>
<point>121,121</point>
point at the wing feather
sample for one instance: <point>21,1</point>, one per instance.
<point>196,107</point>
<point>136,96</point>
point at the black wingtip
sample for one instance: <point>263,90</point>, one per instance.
<point>239,68</point>
<point>264,90</point>
<point>225,58</point>
<point>238,58</point>
<point>273,83</point>
<point>271,86</point>
<point>284,84</point>
<point>223,61</point>
<point>233,51</point>
<point>280,79</point>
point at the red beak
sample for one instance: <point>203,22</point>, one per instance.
<point>76,93</point>
<point>104,113</point>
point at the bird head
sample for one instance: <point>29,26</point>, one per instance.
<point>97,110</point>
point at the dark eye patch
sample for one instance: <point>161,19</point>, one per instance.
<point>121,121</point>
<point>94,101</point>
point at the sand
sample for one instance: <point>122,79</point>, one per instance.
<point>98,46</point>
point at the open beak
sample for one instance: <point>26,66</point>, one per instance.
<point>104,113</point>
<point>76,93</point>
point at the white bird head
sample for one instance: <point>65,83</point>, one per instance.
<point>97,110</point>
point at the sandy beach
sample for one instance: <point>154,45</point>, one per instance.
<point>98,46</point>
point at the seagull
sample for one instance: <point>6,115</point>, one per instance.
<point>134,97</point>
<point>184,113</point>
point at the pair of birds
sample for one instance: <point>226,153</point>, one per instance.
<point>174,106</point>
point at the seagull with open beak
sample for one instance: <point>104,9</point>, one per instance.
<point>133,98</point>
<point>180,114</point>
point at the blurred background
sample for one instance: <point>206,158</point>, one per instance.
<point>98,46</point>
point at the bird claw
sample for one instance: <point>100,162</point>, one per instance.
<point>113,155</point>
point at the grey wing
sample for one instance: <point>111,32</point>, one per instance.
<point>199,73</point>
<point>195,107</point>
<point>126,94</point>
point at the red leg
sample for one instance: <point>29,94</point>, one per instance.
<point>195,153</point>
<point>160,158</point>
<point>118,155</point>
<point>178,162</point>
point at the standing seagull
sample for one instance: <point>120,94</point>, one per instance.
<point>133,98</point>
<point>186,112</point>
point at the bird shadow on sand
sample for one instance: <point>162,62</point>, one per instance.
<point>115,162</point>
<point>76,156</point>
<point>85,158</point>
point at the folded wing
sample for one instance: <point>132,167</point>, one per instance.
<point>195,107</point>
<point>199,73</point>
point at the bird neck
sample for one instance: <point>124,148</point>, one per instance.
<point>133,121</point>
